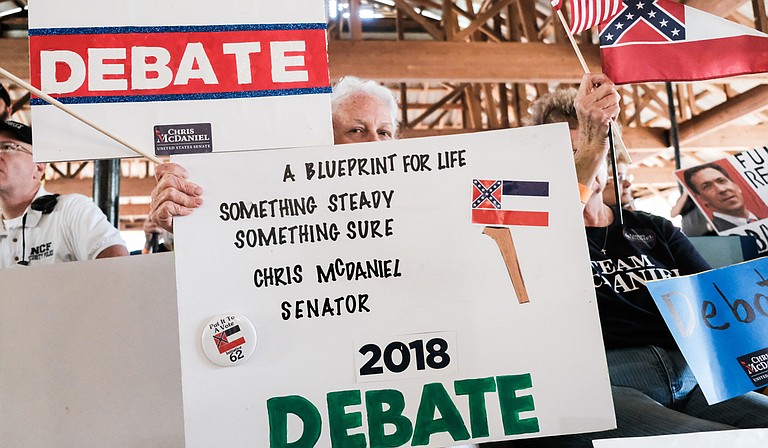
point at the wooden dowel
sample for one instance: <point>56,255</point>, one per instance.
<point>573,41</point>
<point>54,102</point>
<point>620,143</point>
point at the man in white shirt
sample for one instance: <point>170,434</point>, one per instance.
<point>38,227</point>
<point>713,185</point>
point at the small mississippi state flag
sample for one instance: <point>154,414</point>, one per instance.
<point>493,202</point>
<point>222,341</point>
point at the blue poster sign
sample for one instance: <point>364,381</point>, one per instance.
<point>719,319</point>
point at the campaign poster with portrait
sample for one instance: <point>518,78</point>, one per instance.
<point>173,77</point>
<point>422,292</point>
<point>732,193</point>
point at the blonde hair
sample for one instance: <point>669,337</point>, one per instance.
<point>555,107</point>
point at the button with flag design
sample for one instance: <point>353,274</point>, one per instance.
<point>229,340</point>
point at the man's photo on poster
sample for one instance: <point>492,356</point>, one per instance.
<point>722,195</point>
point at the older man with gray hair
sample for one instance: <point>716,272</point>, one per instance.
<point>362,111</point>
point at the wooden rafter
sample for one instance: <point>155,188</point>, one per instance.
<point>717,117</point>
<point>481,19</point>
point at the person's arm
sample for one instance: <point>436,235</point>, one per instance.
<point>85,230</point>
<point>597,104</point>
<point>116,250</point>
<point>678,208</point>
<point>173,195</point>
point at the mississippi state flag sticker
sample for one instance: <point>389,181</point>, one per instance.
<point>229,340</point>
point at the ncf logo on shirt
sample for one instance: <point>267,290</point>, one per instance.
<point>136,64</point>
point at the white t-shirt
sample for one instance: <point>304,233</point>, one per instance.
<point>75,230</point>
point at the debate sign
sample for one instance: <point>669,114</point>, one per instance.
<point>732,193</point>
<point>178,78</point>
<point>719,319</point>
<point>426,292</point>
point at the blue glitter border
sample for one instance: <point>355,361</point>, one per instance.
<point>176,29</point>
<point>183,96</point>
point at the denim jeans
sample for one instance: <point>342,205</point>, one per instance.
<point>654,393</point>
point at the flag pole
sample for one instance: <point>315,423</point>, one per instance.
<point>612,136</point>
<point>674,135</point>
<point>54,102</point>
<point>622,149</point>
<point>573,41</point>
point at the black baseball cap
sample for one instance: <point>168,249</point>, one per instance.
<point>21,131</point>
<point>4,95</point>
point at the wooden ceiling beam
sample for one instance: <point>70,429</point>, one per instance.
<point>733,138</point>
<point>640,140</point>
<point>433,31</point>
<point>650,175</point>
<point>644,141</point>
<point>409,61</point>
<point>15,56</point>
<point>722,8</point>
<point>710,120</point>
<point>481,19</point>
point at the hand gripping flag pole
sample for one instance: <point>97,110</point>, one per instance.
<point>589,13</point>
<point>54,102</point>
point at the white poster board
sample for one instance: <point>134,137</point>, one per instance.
<point>178,77</point>
<point>742,438</point>
<point>381,311</point>
<point>89,355</point>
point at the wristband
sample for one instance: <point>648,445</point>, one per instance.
<point>585,193</point>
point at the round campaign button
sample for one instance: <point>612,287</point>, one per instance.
<point>229,340</point>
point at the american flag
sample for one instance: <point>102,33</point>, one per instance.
<point>588,13</point>
<point>487,207</point>
<point>645,21</point>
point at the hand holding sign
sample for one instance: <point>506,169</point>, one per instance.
<point>173,195</point>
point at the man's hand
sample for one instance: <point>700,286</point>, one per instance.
<point>597,105</point>
<point>173,195</point>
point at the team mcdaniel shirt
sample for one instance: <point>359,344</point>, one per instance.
<point>76,229</point>
<point>647,247</point>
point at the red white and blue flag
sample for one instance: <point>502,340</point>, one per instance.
<point>494,201</point>
<point>661,40</point>
<point>223,344</point>
<point>588,13</point>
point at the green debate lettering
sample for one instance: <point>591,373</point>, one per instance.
<point>385,408</point>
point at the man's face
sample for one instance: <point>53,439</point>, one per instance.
<point>16,167</point>
<point>362,118</point>
<point>718,192</point>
